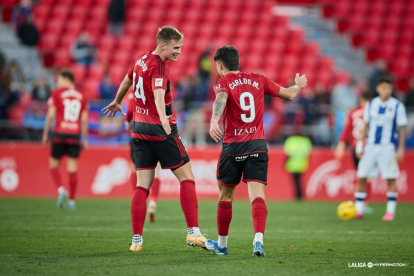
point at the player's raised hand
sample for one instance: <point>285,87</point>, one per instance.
<point>166,124</point>
<point>215,132</point>
<point>111,109</point>
<point>300,81</point>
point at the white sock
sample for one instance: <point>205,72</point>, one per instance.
<point>258,237</point>
<point>392,202</point>
<point>152,204</point>
<point>222,241</point>
<point>194,231</point>
<point>359,202</point>
<point>61,189</point>
<point>137,239</point>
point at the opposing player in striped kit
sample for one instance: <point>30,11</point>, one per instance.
<point>385,120</point>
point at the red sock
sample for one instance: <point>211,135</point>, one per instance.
<point>56,177</point>
<point>224,214</point>
<point>133,180</point>
<point>368,191</point>
<point>155,190</point>
<point>138,210</point>
<point>259,213</point>
<point>189,203</point>
<point>73,183</point>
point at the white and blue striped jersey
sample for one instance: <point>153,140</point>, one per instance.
<point>384,118</point>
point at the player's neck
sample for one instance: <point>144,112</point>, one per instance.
<point>231,72</point>
<point>157,52</point>
<point>384,99</point>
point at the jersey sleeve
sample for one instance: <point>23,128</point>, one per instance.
<point>130,73</point>
<point>220,86</point>
<point>130,108</point>
<point>271,88</point>
<point>52,101</point>
<point>366,111</point>
<point>401,115</point>
<point>347,128</point>
<point>85,104</point>
<point>159,76</point>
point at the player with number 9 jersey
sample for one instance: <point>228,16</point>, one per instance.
<point>240,99</point>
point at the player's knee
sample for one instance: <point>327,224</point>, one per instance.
<point>226,194</point>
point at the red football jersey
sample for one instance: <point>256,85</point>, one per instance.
<point>243,115</point>
<point>69,104</point>
<point>353,126</point>
<point>130,107</point>
<point>150,73</point>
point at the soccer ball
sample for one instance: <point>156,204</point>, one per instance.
<point>346,210</point>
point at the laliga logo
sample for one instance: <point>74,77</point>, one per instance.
<point>9,179</point>
<point>109,176</point>
<point>326,175</point>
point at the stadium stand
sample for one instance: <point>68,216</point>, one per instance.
<point>263,40</point>
<point>384,31</point>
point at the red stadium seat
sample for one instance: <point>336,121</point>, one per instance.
<point>49,42</point>
<point>90,88</point>
<point>79,71</point>
<point>96,72</point>
<point>62,58</point>
<point>107,42</point>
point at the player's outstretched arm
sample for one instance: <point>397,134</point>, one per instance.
<point>159,96</point>
<point>288,94</point>
<point>111,109</point>
<point>84,128</point>
<point>218,109</point>
<point>51,113</point>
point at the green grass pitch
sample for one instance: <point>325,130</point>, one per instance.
<point>38,239</point>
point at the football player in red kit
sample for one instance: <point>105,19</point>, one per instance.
<point>240,99</point>
<point>155,187</point>
<point>70,109</point>
<point>154,134</point>
<point>351,133</point>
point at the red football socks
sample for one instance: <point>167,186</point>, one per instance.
<point>73,183</point>
<point>224,214</point>
<point>138,210</point>
<point>155,190</point>
<point>56,177</point>
<point>189,203</point>
<point>259,214</point>
<point>133,180</point>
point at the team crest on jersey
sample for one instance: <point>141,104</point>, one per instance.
<point>158,82</point>
<point>144,57</point>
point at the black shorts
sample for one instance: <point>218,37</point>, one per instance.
<point>355,158</point>
<point>252,166</point>
<point>171,153</point>
<point>131,151</point>
<point>59,149</point>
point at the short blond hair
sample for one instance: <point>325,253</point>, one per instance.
<point>167,33</point>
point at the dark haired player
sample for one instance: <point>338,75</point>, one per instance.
<point>385,120</point>
<point>69,107</point>
<point>240,99</point>
<point>154,133</point>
